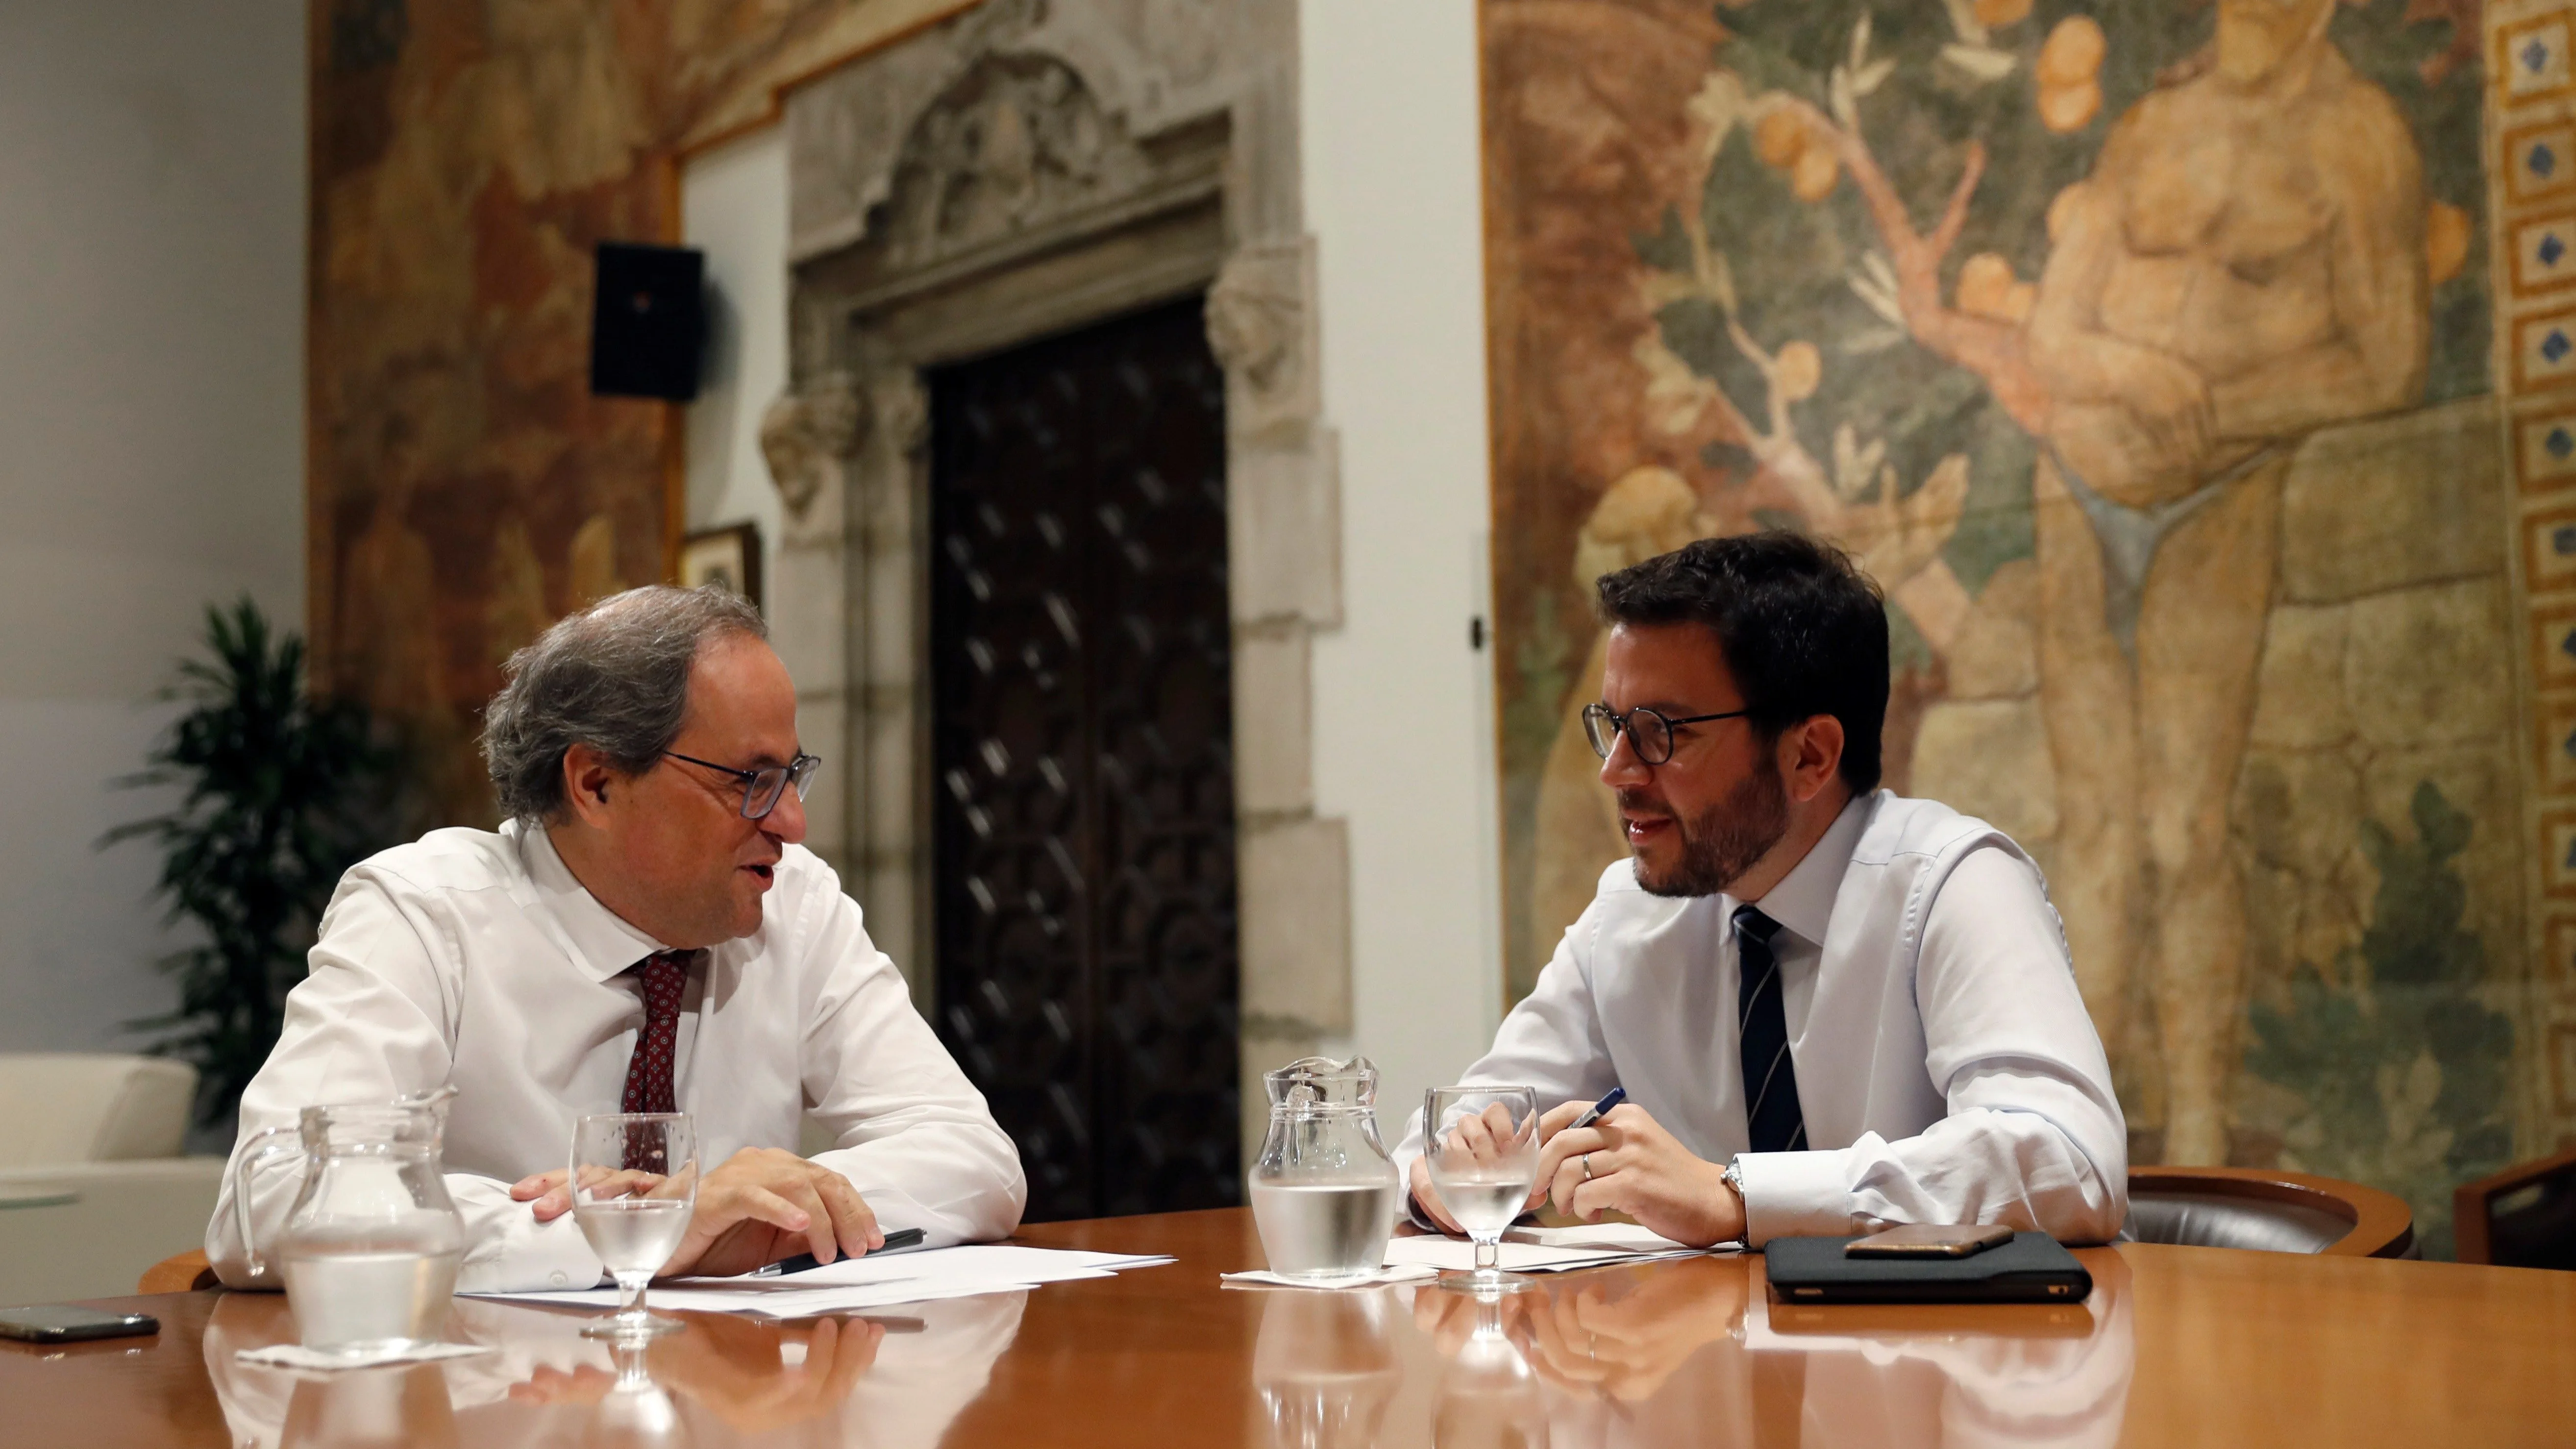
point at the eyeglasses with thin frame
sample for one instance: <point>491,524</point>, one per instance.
<point>762,789</point>
<point>1649,733</point>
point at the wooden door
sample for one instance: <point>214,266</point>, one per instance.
<point>1082,734</point>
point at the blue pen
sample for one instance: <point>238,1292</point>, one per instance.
<point>1609,1099</point>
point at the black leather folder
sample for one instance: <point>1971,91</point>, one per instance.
<point>2032,1268</point>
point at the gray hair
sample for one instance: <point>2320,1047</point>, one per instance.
<point>615,677</point>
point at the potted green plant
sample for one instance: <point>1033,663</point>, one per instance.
<point>280,792</point>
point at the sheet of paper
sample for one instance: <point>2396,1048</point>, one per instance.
<point>776,1302</point>
<point>977,1260</point>
<point>869,1282</point>
<point>1264,1278</point>
<point>1621,1237</point>
<point>1519,1257</point>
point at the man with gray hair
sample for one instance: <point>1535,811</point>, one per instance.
<point>644,933</point>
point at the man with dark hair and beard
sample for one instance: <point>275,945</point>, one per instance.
<point>1832,1009</point>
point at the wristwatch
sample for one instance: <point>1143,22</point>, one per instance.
<point>1735,1180</point>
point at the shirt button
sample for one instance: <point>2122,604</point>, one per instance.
<point>557,1279</point>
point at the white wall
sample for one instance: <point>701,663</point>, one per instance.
<point>1389,119</point>
<point>151,443</point>
<point>733,204</point>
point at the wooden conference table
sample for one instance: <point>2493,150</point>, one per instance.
<point>2177,1346</point>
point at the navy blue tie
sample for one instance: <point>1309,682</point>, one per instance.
<point>1770,1079</point>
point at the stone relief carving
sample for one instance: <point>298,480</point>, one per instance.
<point>805,434</point>
<point>848,128</point>
<point>903,411</point>
<point>1148,64</point>
<point>1262,329</point>
<point>1018,142</point>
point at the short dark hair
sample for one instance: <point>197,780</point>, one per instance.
<point>1802,629</point>
<point>614,677</point>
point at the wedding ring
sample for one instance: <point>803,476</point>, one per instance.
<point>1587,1167</point>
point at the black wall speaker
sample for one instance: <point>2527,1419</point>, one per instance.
<point>648,321</point>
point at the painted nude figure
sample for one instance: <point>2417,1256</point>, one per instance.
<point>2244,264</point>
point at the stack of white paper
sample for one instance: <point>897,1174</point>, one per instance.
<point>870,1282</point>
<point>1543,1250</point>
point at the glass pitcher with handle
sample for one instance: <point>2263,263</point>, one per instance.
<point>1324,1192</point>
<point>370,1248</point>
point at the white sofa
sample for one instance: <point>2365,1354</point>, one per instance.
<point>92,1187</point>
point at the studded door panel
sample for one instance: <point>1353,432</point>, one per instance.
<point>1082,738</point>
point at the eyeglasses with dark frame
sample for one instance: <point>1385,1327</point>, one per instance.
<point>762,789</point>
<point>1649,732</point>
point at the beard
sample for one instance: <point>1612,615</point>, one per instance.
<point>1722,842</point>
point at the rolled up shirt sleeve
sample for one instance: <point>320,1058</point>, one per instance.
<point>2034,1137</point>
<point>910,1132</point>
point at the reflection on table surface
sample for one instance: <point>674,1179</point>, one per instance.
<point>2177,1346</point>
<point>890,1380</point>
<point>1692,1352</point>
<point>1657,1354</point>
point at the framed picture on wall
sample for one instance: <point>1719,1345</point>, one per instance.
<point>728,557</point>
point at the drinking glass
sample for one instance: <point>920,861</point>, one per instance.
<point>634,1185</point>
<point>1481,1149</point>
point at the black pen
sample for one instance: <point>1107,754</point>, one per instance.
<point>899,1238</point>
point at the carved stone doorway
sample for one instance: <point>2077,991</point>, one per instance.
<point>1083,868</point>
<point>1028,168</point>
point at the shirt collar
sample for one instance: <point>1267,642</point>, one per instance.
<point>603,943</point>
<point>1803,901</point>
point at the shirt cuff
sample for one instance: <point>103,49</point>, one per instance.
<point>1794,1194</point>
<point>532,1259</point>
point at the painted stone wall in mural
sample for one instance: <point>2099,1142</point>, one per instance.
<point>2140,351</point>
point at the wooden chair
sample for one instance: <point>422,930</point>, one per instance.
<point>2523,1217</point>
<point>2283,1212</point>
<point>186,1272</point>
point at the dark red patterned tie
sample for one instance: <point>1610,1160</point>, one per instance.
<point>648,1074</point>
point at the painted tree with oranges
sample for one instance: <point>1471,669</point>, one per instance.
<point>1847,289</point>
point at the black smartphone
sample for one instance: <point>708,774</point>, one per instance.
<point>62,1323</point>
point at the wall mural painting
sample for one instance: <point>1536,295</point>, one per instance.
<point>2140,350</point>
<point>466,488</point>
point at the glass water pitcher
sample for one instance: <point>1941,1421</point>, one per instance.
<point>370,1248</point>
<point>1324,1193</point>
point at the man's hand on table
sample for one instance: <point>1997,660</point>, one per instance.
<point>758,1206</point>
<point>1637,1168</point>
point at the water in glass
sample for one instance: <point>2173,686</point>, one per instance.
<point>633,1234</point>
<point>1323,1228</point>
<point>361,1297</point>
<point>1480,1201</point>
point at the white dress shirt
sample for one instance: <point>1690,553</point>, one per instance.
<point>1947,1071</point>
<point>476,960</point>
